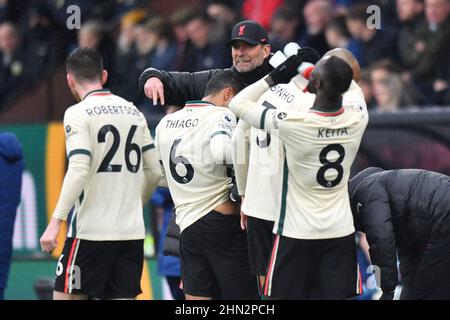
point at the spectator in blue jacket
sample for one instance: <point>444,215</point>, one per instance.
<point>11,168</point>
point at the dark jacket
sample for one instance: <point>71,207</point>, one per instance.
<point>427,65</point>
<point>11,168</point>
<point>399,210</point>
<point>180,87</point>
<point>167,265</point>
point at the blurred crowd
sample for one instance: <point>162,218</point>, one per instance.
<point>405,63</point>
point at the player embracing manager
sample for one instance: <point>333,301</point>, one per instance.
<point>194,145</point>
<point>113,168</point>
<point>314,253</point>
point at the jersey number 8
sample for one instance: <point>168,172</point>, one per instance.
<point>336,165</point>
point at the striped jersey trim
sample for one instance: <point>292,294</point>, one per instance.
<point>221,132</point>
<point>79,151</point>
<point>271,267</point>
<point>284,192</point>
<point>328,114</point>
<point>68,266</point>
<point>197,103</point>
<point>99,92</point>
<point>148,147</point>
<point>262,122</point>
<point>359,285</point>
<point>71,285</point>
<point>73,222</point>
<point>73,225</point>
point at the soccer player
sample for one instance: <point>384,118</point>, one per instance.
<point>258,162</point>
<point>259,169</point>
<point>113,168</point>
<point>194,145</point>
<point>314,254</point>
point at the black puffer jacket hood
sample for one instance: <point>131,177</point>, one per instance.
<point>360,176</point>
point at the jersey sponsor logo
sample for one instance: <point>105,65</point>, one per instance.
<point>282,115</point>
<point>227,118</point>
<point>70,131</point>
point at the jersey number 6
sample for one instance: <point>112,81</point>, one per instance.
<point>175,160</point>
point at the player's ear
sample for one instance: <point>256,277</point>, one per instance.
<point>266,50</point>
<point>318,84</point>
<point>70,80</point>
<point>228,94</point>
<point>104,76</point>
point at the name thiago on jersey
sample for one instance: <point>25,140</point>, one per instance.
<point>181,124</point>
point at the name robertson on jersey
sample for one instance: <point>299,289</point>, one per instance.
<point>178,124</point>
<point>112,110</point>
<point>329,133</point>
<point>283,93</point>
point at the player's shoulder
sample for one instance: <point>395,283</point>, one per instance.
<point>217,110</point>
<point>168,117</point>
<point>75,110</point>
<point>224,115</point>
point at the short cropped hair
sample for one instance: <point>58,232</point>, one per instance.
<point>85,64</point>
<point>337,75</point>
<point>224,79</point>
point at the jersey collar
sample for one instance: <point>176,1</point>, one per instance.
<point>98,92</point>
<point>197,103</point>
<point>328,114</point>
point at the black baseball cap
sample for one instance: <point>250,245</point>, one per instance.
<point>250,32</point>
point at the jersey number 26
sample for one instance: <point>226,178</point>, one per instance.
<point>130,147</point>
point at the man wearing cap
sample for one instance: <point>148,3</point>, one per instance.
<point>250,51</point>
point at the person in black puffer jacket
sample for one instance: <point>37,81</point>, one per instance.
<point>406,213</point>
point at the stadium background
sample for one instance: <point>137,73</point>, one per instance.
<point>414,135</point>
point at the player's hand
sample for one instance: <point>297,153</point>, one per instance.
<point>308,54</point>
<point>154,90</point>
<point>244,219</point>
<point>387,295</point>
<point>285,71</point>
<point>48,239</point>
